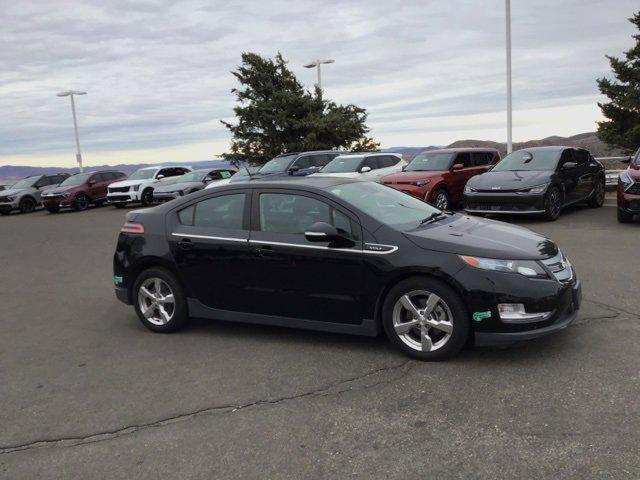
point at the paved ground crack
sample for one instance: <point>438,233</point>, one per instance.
<point>337,388</point>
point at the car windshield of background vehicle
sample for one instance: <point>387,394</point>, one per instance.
<point>385,204</point>
<point>277,165</point>
<point>428,162</point>
<point>25,183</point>
<point>529,160</point>
<point>142,175</point>
<point>192,177</point>
<point>342,165</point>
<point>79,179</point>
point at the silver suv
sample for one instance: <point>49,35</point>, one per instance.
<point>25,194</point>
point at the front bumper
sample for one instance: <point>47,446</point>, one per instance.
<point>628,202</point>
<point>507,203</point>
<point>123,197</point>
<point>57,201</point>
<point>8,206</point>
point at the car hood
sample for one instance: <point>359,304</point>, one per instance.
<point>337,174</point>
<point>219,183</point>
<point>129,183</point>
<point>408,177</point>
<point>509,180</point>
<point>14,191</point>
<point>57,190</point>
<point>480,237</point>
<point>172,187</point>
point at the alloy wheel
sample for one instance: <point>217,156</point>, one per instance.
<point>441,201</point>
<point>156,301</point>
<point>422,320</point>
<point>599,194</point>
<point>554,203</point>
<point>82,202</point>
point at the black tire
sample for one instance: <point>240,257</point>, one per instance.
<point>147,197</point>
<point>623,216</point>
<point>120,204</point>
<point>552,204</point>
<point>180,313</point>
<point>596,200</point>
<point>27,205</point>
<point>81,202</point>
<point>441,199</point>
<point>53,209</point>
<point>459,320</point>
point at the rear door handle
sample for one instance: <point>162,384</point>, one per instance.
<point>264,250</point>
<point>185,244</point>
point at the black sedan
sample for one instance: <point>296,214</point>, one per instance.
<point>342,255</point>
<point>541,180</point>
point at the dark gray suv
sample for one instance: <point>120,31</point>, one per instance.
<point>25,195</point>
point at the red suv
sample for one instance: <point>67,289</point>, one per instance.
<point>439,176</point>
<point>80,190</point>
<point>629,191</point>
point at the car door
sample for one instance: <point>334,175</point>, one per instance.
<point>569,175</point>
<point>208,240</point>
<point>372,163</point>
<point>458,178</point>
<point>387,164</point>
<point>586,174</point>
<point>298,279</point>
<point>96,186</point>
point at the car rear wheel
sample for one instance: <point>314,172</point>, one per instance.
<point>425,319</point>
<point>159,300</point>
<point>81,202</point>
<point>53,209</point>
<point>441,199</point>
<point>597,197</point>
<point>624,217</point>
<point>553,204</point>
<point>147,197</point>
<point>27,205</point>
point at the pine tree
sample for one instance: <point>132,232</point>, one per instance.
<point>623,110</point>
<point>275,115</point>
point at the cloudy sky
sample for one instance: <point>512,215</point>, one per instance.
<point>428,71</point>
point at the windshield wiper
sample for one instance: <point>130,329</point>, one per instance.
<point>435,216</point>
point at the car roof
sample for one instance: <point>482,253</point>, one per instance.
<point>462,149</point>
<point>551,148</point>
<point>157,167</point>
<point>310,152</point>
<point>293,181</point>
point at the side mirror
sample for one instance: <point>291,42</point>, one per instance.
<point>91,183</point>
<point>568,165</point>
<point>490,167</point>
<point>626,160</point>
<point>404,168</point>
<point>365,169</point>
<point>457,166</point>
<point>293,169</point>
<point>323,232</point>
<point>159,177</point>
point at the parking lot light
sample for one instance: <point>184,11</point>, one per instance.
<point>71,93</point>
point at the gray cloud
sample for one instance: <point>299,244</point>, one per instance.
<point>157,71</point>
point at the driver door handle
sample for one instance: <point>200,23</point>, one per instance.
<point>185,244</point>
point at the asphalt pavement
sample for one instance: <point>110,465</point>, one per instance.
<point>87,392</point>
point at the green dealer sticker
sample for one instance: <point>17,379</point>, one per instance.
<point>117,279</point>
<point>479,316</point>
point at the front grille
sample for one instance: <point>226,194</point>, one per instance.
<point>634,189</point>
<point>559,267</point>
<point>119,198</point>
<point>118,189</point>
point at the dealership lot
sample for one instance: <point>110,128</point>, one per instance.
<point>88,392</point>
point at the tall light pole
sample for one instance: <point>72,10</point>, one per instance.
<point>507,5</point>
<point>317,63</point>
<point>71,93</point>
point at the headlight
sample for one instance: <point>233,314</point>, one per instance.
<point>528,268</point>
<point>421,183</point>
<point>65,194</point>
<point>468,189</point>
<point>136,188</point>
<point>626,180</point>
<point>535,189</point>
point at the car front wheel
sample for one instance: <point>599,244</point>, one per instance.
<point>553,204</point>
<point>441,200</point>
<point>81,202</point>
<point>597,197</point>
<point>159,301</point>
<point>425,319</point>
<point>147,197</point>
<point>27,205</point>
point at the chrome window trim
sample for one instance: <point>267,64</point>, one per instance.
<point>209,237</point>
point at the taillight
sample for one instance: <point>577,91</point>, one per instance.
<point>132,228</point>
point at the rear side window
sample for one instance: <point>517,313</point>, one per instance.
<point>225,211</point>
<point>482,158</point>
<point>464,158</point>
<point>388,161</point>
<point>581,156</point>
<point>371,162</point>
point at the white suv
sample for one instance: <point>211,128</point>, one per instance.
<point>140,184</point>
<point>368,166</point>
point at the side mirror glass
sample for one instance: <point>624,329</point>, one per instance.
<point>91,183</point>
<point>323,232</point>
<point>457,166</point>
<point>365,169</point>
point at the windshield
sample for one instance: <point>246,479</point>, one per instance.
<point>25,182</point>
<point>143,174</point>
<point>426,162</point>
<point>385,204</point>
<point>77,179</point>
<point>277,165</point>
<point>191,177</point>
<point>529,160</point>
<point>342,164</point>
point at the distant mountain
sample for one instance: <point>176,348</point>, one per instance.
<point>408,152</point>
<point>13,172</point>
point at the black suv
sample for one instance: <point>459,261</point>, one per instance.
<point>346,256</point>
<point>295,163</point>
